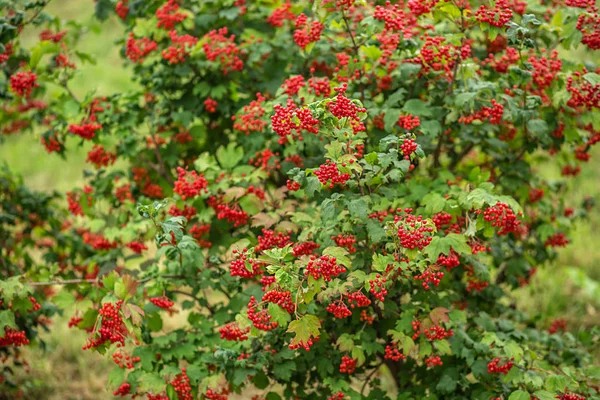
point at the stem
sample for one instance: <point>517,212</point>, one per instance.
<point>369,377</point>
<point>355,48</point>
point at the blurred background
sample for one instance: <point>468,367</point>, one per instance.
<point>569,289</point>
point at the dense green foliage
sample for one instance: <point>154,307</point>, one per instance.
<point>326,190</point>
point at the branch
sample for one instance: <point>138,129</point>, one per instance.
<point>369,377</point>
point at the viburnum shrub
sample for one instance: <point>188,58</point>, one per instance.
<point>331,199</point>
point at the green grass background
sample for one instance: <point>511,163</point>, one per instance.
<point>570,288</point>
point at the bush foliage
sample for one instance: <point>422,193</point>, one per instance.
<point>336,197</point>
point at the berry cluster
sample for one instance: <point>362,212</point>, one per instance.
<point>261,319</point>
<point>348,365</point>
<point>280,15</point>
<point>13,338</point>
<point>494,367</point>
<point>188,212</point>
<point>346,241</point>
<point>430,276</point>
<point>124,360</point>
<point>181,384</point>
<point>438,333</point>
<point>179,49</point>
<point>243,266</point>
<point>557,240</point>
<point>282,299</point>
<point>408,122</point>
<point>493,114</point>
<point>85,131</point>
<point>291,121</point>
<point>304,249</point>
<point>306,345</point>
<point>99,157</point>
<point>168,16</point>
<point>325,267</point>
<point>377,287</point>
<point>233,332</point>
<point>250,119</point>
<point>189,184</point>
<point>337,396</point>
<point>112,326</point>
<point>137,49</point>
<point>123,390</point>
<point>393,353</point>
<point>476,285</point>
<point>433,361</point>
<point>503,217</point>
<point>213,395</point>
<point>558,325</point>
<point>271,239</point>
<point>339,310</point>
<point>162,302</point>
<point>23,83</point>
<point>414,231</point>
<point>358,299</point>
<point>329,174</point>
<point>292,186</point>
<point>305,33</point>
<point>233,215</point>
<point>449,261</point>
<point>408,147</point>
<point>210,105</point>
<point>219,47</point>
<point>343,107</point>
<point>498,16</point>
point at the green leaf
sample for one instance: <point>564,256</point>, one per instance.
<point>7,318</point>
<point>64,299</point>
<point>150,382</point>
<point>442,245</point>
<point>556,383</point>
<point>358,208</point>
<point>434,203</point>
<point>519,395</point>
<point>375,231</point>
<point>417,107</point>
<point>543,395</point>
<point>390,118</point>
<point>304,328</point>
<point>592,78</point>
<point>229,157</point>
<point>278,314</point>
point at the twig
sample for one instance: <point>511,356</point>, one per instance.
<point>369,377</point>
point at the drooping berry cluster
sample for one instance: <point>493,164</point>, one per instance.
<point>99,157</point>
<point>348,365</point>
<point>329,174</point>
<point>494,366</point>
<point>325,267</point>
<point>414,231</point>
<point>450,261</point>
<point>85,131</point>
<point>433,361</point>
<point>408,147</point>
<point>112,328</point>
<point>377,287</point>
<point>280,15</point>
<point>306,33</point>
<point>558,325</point>
<point>181,384</point>
<point>250,118</point>
<point>493,114</point>
<point>393,353</point>
<point>408,122</point>
<point>343,107</point>
<point>261,319</point>
<point>271,239</point>
<point>557,240</point>
<point>282,299</point>
<point>222,48</point>
<point>189,184</point>
<point>232,214</point>
<point>123,390</point>
<point>137,49</point>
<point>14,338</point>
<point>498,16</point>
<point>346,241</point>
<point>244,266</point>
<point>23,83</point>
<point>180,47</point>
<point>428,277</point>
<point>304,249</point>
<point>438,332</point>
<point>358,299</point>
<point>339,309</point>
<point>233,332</point>
<point>501,216</point>
<point>124,360</point>
<point>162,302</point>
<point>306,345</point>
<point>168,16</point>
